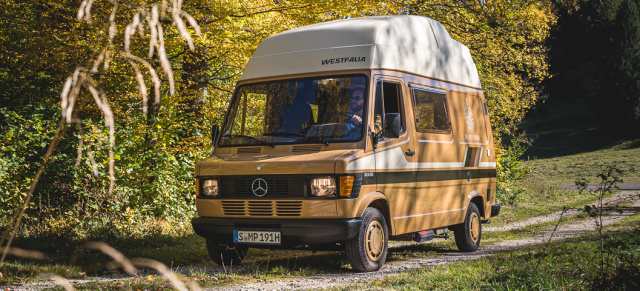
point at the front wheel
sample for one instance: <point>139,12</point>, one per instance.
<point>225,255</point>
<point>368,250</point>
<point>468,233</point>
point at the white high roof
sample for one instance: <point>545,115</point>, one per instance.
<point>414,44</point>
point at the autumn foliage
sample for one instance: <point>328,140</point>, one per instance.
<point>164,92</point>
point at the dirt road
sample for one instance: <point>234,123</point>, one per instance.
<point>564,231</point>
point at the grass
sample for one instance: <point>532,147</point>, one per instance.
<point>569,143</point>
<point>571,264</point>
<point>72,260</point>
<point>567,169</point>
<point>540,199</point>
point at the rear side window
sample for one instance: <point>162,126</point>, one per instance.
<point>430,110</point>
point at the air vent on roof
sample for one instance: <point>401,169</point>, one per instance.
<point>306,148</point>
<point>250,150</point>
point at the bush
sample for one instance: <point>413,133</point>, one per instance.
<point>509,171</point>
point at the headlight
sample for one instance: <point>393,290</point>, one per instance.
<point>210,188</point>
<point>323,187</point>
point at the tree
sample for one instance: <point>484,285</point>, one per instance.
<point>507,40</point>
<point>624,60</point>
<point>155,137</point>
<point>595,55</point>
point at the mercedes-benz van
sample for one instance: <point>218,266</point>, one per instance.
<point>348,134</point>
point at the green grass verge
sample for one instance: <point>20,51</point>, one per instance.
<point>573,264</point>
<point>568,169</point>
<point>569,143</point>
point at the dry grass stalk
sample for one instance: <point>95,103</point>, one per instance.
<point>180,24</point>
<point>80,141</point>
<point>130,30</point>
<point>100,59</point>
<point>84,13</point>
<point>22,253</point>
<point>154,76</point>
<point>166,273</point>
<point>142,87</point>
<point>58,281</point>
<point>103,104</point>
<point>192,22</point>
<point>112,22</point>
<point>164,61</point>
<point>117,256</point>
<point>153,22</point>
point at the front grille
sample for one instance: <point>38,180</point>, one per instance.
<point>288,208</point>
<point>233,207</point>
<point>277,187</point>
<point>262,208</point>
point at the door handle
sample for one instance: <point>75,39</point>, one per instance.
<point>410,153</point>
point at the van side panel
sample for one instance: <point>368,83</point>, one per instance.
<point>475,146</point>
<point>451,167</point>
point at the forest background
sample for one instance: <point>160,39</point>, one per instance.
<point>137,109</point>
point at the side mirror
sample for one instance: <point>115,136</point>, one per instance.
<point>215,131</point>
<point>393,126</point>
<point>374,139</point>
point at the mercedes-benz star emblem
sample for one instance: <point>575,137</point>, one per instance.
<point>259,187</point>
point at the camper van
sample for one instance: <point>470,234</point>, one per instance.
<point>347,135</point>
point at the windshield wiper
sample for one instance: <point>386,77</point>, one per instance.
<point>324,141</point>
<point>300,135</point>
<point>283,134</point>
<point>250,138</point>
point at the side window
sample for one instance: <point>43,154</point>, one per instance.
<point>431,110</point>
<point>388,96</point>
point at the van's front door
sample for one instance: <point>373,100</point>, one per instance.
<point>395,155</point>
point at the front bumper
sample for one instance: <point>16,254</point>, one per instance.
<point>294,232</point>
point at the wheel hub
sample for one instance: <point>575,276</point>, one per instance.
<point>474,227</point>
<point>375,241</point>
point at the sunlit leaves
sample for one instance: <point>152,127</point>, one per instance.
<point>507,41</point>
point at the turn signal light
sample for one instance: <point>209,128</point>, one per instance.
<point>346,185</point>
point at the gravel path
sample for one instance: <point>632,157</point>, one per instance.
<point>617,197</point>
<point>564,231</point>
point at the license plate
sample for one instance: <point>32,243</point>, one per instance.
<point>256,237</point>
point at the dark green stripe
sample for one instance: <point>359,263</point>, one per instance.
<point>428,176</point>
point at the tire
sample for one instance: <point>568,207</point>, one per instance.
<point>368,250</point>
<point>469,233</point>
<point>225,255</point>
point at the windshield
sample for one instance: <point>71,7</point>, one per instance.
<point>320,110</point>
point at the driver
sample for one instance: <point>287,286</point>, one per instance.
<point>356,110</point>
<point>356,107</point>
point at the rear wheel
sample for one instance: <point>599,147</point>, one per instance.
<point>468,233</point>
<point>368,250</point>
<point>226,255</point>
